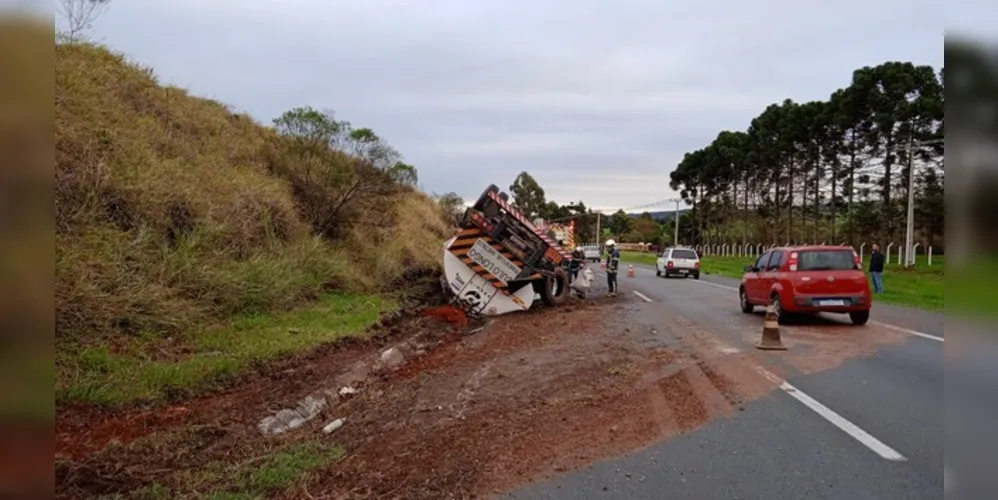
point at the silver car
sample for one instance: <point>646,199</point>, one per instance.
<point>592,252</point>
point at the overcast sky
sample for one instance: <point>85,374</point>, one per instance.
<point>598,100</point>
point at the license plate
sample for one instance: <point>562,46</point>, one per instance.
<point>831,302</point>
<point>683,271</point>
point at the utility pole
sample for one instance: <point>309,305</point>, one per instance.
<point>675,238</point>
<point>598,214</point>
<point>909,230</point>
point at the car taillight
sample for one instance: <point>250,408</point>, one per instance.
<point>669,264</point>
<point>793,261</point>
<point>696,265</point>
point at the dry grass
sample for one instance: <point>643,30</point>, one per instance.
<point>168,219</point>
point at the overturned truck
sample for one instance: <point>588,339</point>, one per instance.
<point>499,262</point>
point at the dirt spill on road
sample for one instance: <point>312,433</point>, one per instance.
<point>532,395</point>
<point>817,344</point>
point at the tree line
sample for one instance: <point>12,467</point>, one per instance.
<point>827,171</point>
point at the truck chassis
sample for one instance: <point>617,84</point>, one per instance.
<point>499,262</point>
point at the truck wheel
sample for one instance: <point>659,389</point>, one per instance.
<point>555,289</point>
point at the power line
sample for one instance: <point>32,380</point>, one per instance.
<point>655,204</point>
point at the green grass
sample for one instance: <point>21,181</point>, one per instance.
<point>921,287</point>
<point>249,480</point>
<point>278,471</point>
<point>972,288</point>
<point>98,375</point>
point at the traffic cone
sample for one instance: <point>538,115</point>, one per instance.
<point>771,333</point>
<point>630,270</point>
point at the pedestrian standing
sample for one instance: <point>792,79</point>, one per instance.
<point>612,264</point>
<point>877,269</point>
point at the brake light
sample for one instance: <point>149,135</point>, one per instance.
<point>793,261</point>
<point>696,265</point>
<point>669,264</point>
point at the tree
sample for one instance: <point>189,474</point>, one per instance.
<point>80,15</point>
<point>528,196</point>
<point>645,229</point>
<point>340,176</point>
<point>404,174</point>
<point>452,206</point>
<point>619,223</point>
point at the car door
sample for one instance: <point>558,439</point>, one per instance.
<point>660,261</point>
<point>752,279</point>
<point>771,274</point>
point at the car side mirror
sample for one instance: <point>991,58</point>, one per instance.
<point>750,268</point>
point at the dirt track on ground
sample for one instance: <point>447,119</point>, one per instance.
<point>465,416</point>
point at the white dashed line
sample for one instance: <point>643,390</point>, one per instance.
<point>878,323</point>
<point>878,447</point>
<point>726,287</point>
<point>643,296</point>
<point>910,332</point>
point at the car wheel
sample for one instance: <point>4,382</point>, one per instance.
<point>696,276</point>
<point>859,317</point>
<point>781,317</point>
<point>747,306</point>
<point>658,272</point>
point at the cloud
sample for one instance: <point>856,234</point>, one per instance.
<point>598,100</point>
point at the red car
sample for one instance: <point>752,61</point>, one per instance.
<point>808,279</point>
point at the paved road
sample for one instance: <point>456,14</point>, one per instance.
<point>871,428</point>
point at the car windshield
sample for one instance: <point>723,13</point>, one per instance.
<point>826,260</point>
<point>684,254</point>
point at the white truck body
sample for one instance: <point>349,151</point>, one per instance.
<point>478,293</point>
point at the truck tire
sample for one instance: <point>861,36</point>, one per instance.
<point>555,289</point>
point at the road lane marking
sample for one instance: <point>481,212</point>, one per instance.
<point>643,296</point>
<point>910,332</point>
<point>726,287</point>
<point>878,447</point>
<point>878,323</point>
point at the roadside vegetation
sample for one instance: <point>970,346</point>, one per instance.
<point>920,287</point>
<point>192,240</point>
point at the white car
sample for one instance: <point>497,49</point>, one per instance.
<point>678,262</point>
<point>592,252</point>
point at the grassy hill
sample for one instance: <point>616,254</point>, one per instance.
<point>172,226</point>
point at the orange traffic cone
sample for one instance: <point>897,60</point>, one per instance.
<point>630,270</point>
<point>771,333</point>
